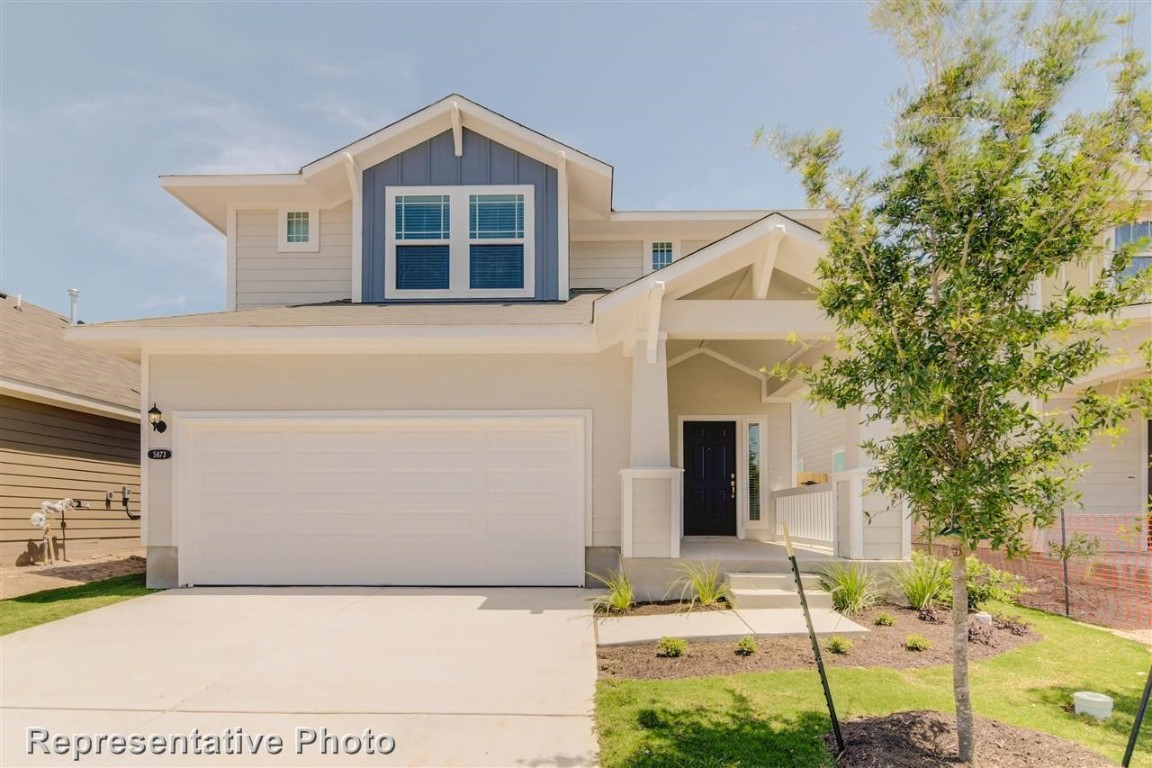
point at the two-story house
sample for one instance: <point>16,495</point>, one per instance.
<point>447,360</point>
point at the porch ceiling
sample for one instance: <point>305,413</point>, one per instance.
<point>751,355</point>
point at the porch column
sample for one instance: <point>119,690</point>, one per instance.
<point>651,446</point>
<point>650,487</point>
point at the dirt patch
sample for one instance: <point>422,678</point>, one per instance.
<point>663,607</point>
<point>17,582</point>
<point>928,740</point>
<point>882,647</point>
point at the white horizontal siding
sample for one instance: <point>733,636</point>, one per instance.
<point>1114,481</point>
<point>605,265</point>
<point>691,246</point>
<point>818,435</point>
<point>265,277</point>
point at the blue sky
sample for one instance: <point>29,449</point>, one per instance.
<point>99,99</point>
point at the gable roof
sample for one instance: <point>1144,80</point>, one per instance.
<point>472,115</point>
<point>38,363</point>
<point>324,182</point>
<point>693,271</point>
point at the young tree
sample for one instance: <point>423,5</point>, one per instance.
<point>931,263</point>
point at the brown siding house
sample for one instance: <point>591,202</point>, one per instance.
<point>69,428</point>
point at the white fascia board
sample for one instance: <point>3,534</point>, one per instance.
<point>67,401</point>
<point>718,215</point>
<point>233,180</point>
<point>389,339</point>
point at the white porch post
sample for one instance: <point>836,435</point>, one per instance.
<point>650,487</point>
<point>651,446</point>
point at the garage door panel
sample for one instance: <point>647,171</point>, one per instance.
<point>429,501</point>
<point>514,562</point>
<point>430,480</point>
<point>528,481</point>
<point>337,482</point>
<point>525,528</point>
<point>460,525</point>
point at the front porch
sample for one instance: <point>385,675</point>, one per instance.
<point>715,465</point>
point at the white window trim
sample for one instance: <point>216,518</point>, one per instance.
<point>313,243</point>
<point>458,242</point>
<point>648,251</point>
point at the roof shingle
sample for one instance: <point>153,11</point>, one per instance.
<point>33,351</point>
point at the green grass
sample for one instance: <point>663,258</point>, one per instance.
<point>776,718</point>
<point>42,607</point>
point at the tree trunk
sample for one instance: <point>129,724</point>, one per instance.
<point>961,693</point>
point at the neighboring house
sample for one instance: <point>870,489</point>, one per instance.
<point>69,428</point>
<point>447,360</point>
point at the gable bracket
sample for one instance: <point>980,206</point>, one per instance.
<point>457,129</point>
<point>655,303</point>
<point>762,269</point>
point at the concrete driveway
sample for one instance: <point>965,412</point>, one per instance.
<point>466,677</point>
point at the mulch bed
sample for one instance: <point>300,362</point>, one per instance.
<point>927,739</point>
<point>664,607</point>
<point>882,647</point>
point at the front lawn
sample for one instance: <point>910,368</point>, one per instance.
<point>776,718</point>
<point>41,607</point>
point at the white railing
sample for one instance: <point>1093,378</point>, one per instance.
<point>810,512</point>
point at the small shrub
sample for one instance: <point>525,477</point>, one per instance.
<point>1013,624</point>
<point>929,615</point>
<point>987,583</point>
<point>980,633</point>
<point>917,643</point>
<point>673,647</point>
<point>838,645</point>
<point>853,588</point>
<point>926,583</point>
<point>620,597</point>
<point>746,646</point>
<point>883,619</point>
<point>700,584</point>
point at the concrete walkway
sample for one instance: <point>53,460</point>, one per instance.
<point>467,677</point>
<point>721,625</point>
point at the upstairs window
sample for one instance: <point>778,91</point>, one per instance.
<point>1141,261</point>
<point>460,242</point>
<point>298,230</point>
<point>661,255</point>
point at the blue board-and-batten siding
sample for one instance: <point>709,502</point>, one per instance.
<point>434,163</point>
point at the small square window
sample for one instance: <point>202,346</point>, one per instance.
<point>298,230</point>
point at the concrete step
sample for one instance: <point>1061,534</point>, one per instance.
<point>772,581</point>
<point>746,598</point>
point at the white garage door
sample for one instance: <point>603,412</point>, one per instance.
<point>395,500</point>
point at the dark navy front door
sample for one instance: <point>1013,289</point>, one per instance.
<point>709,478</point>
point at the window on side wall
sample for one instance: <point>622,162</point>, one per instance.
<point>298,229</point>
<point>661,254</point>
<point>460,242</point>
<point>1142,260</point>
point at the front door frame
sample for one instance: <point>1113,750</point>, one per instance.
<point>741,422</point>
